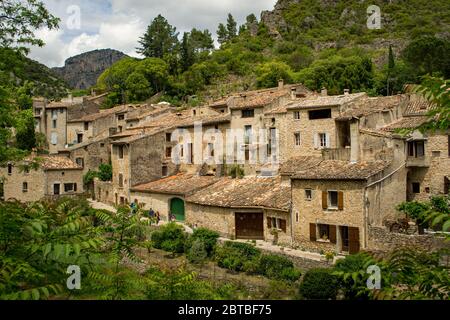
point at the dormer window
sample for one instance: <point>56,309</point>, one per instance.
<point>248,113</point>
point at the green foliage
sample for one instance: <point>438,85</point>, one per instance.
<point>319,284</point>
<point>233,255</point>
<point>39,241</point>
<point>159,40</point>
<point>170,237</point>
<point>269,73</point>
<point>207,237</point>
<point>26,133</point>
<point>236,171</point>
<point>196,253</point>
<point>277,267</point>
<point>20,19</point>
<point>104,173</point>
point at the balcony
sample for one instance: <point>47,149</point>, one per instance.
<point>418,162</point>
<point>342,154</point>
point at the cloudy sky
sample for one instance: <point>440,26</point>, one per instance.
<point>96,24</point>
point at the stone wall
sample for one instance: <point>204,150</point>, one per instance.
<point>217,219</point>
<point>93,154</point>
<point>104,191</point>
<point>13,184</point>
<point>381,239</point>
<point>157,202</point>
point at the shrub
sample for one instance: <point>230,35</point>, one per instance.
<point>207,237</point>
<point>277,267</point>
<point>233,255</point>
<point>170,237</point>
<point>319,284</point>
<point>197,253</point>
<point>290,274</point>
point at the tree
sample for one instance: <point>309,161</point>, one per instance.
<point>186,52</point>
<point>222,35</point>
<point>391,66</point>
<point>138,88</point>
<point>231,27</point>
<point>437,92</point>
<point>160,39</point>
<point>20,19</point>
<point>26,132</point>
<point>269,73</point>
<point>429,55</point>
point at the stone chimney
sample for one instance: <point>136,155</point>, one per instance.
<point>293,93</point>
<point>346,92</point>
<point>280,84</point>
<point>324,92</point>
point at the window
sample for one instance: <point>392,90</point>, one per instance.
<point>119,128</point>
<point>168,152</point>
<point>80,162</point>
<point>70,187</point>
<point>25,187</point>
<point>121,117</point>
<point>54,114</point>
<point>120,152</point>
<point>168,137</point>
<point>120,180</point>
<point>296,217</point>
<point>416,149</point>
<point>247,134</point>
<point>54,138</point>
<point>10,168</point>
<point>436,154</point>
<point>319,114</point>
<point>322,140</point>
<point>26,170</point>
<point>324,231</point>
<point>54,124</point>
<point>249,113</point>
<point>276,223</point>
<point>164,170</point>
<point>296,115</point>
<point>297,138</point>
<point>416,187</point>
<point>308,194</point>
<point>332,199</point>
<point>86,126</point>
<point>102,145</point>
<point>80,138</point>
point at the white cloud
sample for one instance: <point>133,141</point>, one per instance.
<point>118,24</point>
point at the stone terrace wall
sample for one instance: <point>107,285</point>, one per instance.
<point>381,239</point>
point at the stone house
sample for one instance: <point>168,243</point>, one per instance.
<point>247,208</point>
<point>167,195</point>
<point>51,119</point>
<point>55,176</point>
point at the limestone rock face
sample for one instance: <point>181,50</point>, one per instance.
<point>274,20</point>
<point>82,71</point>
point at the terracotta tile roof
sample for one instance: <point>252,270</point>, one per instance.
<point>259,99</point>
<point>180,184</point>
<point>417,106</point>
<point>325,101</point>
<point>341,170</point>
<point>364,107</point>
<point>101,114</point>
<point>139,114</point>
<point>54,162</point>
<point>299,164</point>
<point>405,123</point>
<point>61,104</point>
<point>249,192</point>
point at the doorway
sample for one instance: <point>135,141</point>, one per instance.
<point>177,209</point>
<point>344,239</point>
<point>56,189</point>
<point>249,225</point>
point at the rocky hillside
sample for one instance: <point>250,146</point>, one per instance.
<point>82,71</point>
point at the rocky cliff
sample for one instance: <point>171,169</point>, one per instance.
<point>82,71</point>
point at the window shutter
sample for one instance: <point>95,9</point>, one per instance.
<point>353,240</point>
<point>269,223</point>
<point>327,139</point>
<point>341,200</point>
<point>332,234</point>
<point>312,232</point>
<point>324,200</point>
<point>283,225</point>
<point>75,187</point>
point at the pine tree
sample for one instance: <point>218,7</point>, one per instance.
<point>222,35</point>
<point>160,39</point>
<point>186,52</point>
<point>231,27</point>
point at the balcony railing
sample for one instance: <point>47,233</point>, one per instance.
<point>418,162</point>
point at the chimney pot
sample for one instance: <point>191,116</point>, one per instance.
<point>324,92</point>
<point>280,84</point>
<point>346,91</point>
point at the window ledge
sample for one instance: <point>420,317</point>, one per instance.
<point>323,241</point>
<point>332,209</point>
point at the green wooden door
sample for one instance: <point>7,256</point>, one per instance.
<point>177,208</point>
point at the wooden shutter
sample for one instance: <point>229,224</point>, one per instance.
<point>341,200</point>
<point>353,240</point>
<point>283,225</point>
<point>327,140</point>
<point>324,200</point>
<point>312,232</point>
<point>269,223</point>
<point>332,233</point>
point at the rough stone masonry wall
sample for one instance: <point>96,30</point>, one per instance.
<point>13,184</point>
<point>381,239</point>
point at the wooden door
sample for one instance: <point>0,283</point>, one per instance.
<point>249,226</point>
